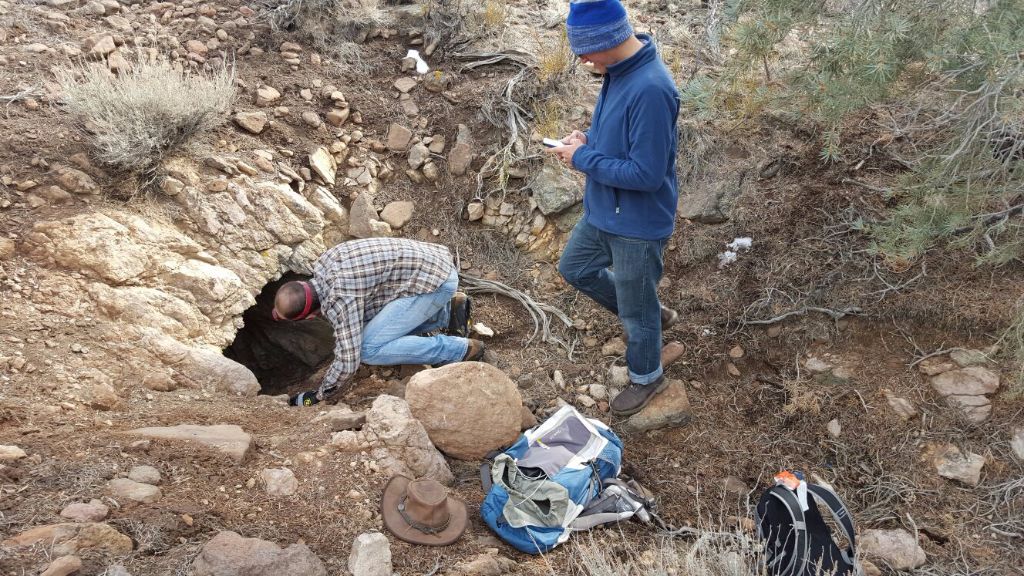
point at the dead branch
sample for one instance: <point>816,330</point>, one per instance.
<point>866,185</point>
<point>938,352</point>
<point>540,313</point>
<point>834,314</point>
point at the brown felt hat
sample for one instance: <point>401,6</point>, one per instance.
<point>422,512</point>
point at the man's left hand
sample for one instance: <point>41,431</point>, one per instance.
<point>566,152</point>
<point>304,399</point>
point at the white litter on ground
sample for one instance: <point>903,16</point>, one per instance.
<point>737,245</point>
<point>482,329</point>
<point>743,243</point>
<point>726,258</point>
<point>421,65</point>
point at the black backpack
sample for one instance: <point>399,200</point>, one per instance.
<point>798,542</point>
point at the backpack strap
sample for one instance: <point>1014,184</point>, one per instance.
<point>799,558</point>
<point>841,515</point>
<point>485,470</point>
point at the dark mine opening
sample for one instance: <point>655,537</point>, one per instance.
<point>281,354</point>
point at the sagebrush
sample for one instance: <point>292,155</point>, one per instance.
<point>133,120</point>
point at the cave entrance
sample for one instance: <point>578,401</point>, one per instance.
<point>282,355</point>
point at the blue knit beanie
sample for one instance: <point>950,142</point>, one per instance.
<point>596,25</point>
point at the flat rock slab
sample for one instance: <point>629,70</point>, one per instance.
<point>896,548</point>
<point>225,438</point>
<point>669,408</point>
<point>228,553</point>
<point>125,489</point>
<point>970,381</point>
<point>953,464</point>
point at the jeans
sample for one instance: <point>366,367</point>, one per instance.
<point>628,291</point>
<point>392,336</point>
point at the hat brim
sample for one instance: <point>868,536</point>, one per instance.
<point>393,521</point>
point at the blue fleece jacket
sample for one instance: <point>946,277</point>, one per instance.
<point>630,154</point>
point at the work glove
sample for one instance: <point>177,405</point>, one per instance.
<point>304,399</point>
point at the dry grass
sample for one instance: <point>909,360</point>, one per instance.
<point>135,119</point>
<point>495,13</point>
<point>556,62</point>
<point>714,553</point>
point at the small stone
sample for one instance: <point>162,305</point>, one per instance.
<point>618,377</point>
<point>733,370</point>
<point>337,117</point>
<point>670,408</point>
<point>7,248</point>
<point>965,358</point>
<point>1017,442</point>
<point>123,488</point>
<point>834,428</point>
<point>418,155</point>
<point>266,96</point>
<point>816,365</point>
<point>901,406</point>
<point>279,481</point>
<point>437,145</point>
<point>9,453</point>
<point>398,138</point>
<point>197,47</point>
<point>253,122</point>
<point>145,475</point>
<point>104,46</point>
<point>64,565</point>
<point>585,401</point>
<point>93,511</point>
<point>475,210</point>
<point>322,162</point>
<point>397,214</point>
<point>598,391</point>
<point>935,365</point>
<point>614,347</point>
<point>312,119</point>
<point>405,84</point>
<point>370,556</point>
<point>736,352</point>
<point>951,463</point>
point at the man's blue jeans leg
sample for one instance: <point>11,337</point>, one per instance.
<point>392,336</point>
<point>629,290</point>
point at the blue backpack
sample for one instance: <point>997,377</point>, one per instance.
<point>559,477</point>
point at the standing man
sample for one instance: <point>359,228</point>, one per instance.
<point>629,205</point>
<point>381,295</point>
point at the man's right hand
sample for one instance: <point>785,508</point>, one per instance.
<point>576,137</point>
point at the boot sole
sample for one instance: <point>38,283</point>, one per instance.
<point>630,412</point>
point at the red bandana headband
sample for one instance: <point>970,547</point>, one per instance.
<point>305,310</point>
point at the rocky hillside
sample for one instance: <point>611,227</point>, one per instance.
<point>143,423</point>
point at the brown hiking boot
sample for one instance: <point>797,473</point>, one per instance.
<point>636,396</point>
<point>474,352</point>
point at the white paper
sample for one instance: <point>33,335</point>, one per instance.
<point>421,66</point>
<point>743,243</point>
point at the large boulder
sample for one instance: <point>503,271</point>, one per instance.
<point>397,441</point>
<point>468,408</point>
<point>229,554</point>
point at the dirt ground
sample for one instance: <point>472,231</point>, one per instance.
<point>756,409</point>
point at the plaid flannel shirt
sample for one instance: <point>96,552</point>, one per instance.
<point>356,279</point>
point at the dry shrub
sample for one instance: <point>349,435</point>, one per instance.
<point>133,120</point>
<point>556,62</point>
<point>325,22</point>
<point>495,14</point>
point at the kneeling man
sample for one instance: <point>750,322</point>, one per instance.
<point>382,295</point>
